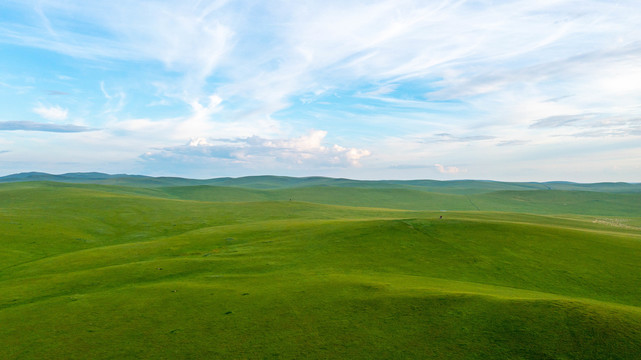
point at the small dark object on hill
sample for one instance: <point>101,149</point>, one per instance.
<point>441,217</point>
<point>158,268</point>
<point>245,294</point>
<point>173,291</point>
<point>228,312</point>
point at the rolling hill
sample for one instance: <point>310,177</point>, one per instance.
<point>285,182</point>
<point>209,271</point>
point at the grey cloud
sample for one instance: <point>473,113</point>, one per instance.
<point>228,149</point>
<point>558,98</point>
<point>35,126</point>
<point>592,125</point>
<point>445,137</point>
<point>560,120</point>
<point>599,133</point>
<point>222,148</point>
<point>513,142</point>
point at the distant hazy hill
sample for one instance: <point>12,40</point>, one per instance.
<point>285,182</point>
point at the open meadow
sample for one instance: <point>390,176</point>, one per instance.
<point>281,268</point>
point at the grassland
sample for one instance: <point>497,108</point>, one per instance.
<point>318,271</point>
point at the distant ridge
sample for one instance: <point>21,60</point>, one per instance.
<point>283,182</point>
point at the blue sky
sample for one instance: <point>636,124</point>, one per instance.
<point>503,90</point>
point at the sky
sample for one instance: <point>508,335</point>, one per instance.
<point>512,90</point>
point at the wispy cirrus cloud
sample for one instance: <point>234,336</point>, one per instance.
<point>187,37</point>
<point>296,50</point>
<point>591,125</point>
<point>440,81</point>
<point>35,126</point>
<point>116,101</point>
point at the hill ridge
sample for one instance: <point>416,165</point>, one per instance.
<point>283,182</point>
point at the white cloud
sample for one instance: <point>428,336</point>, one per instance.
<point>354,155</point>
<point>199,142</point>
<point>310,142</point>
<point>257,152</point>
<point>51,113</point>
<point>199,122</point>
<point>447,170</point>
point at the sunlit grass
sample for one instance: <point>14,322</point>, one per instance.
<point>109,272</point>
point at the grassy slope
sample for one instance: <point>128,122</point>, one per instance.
<point>101,272</point>
<point>560,202</point>
<point>529,201</point>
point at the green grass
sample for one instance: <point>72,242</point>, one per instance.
<point>113,272</point>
